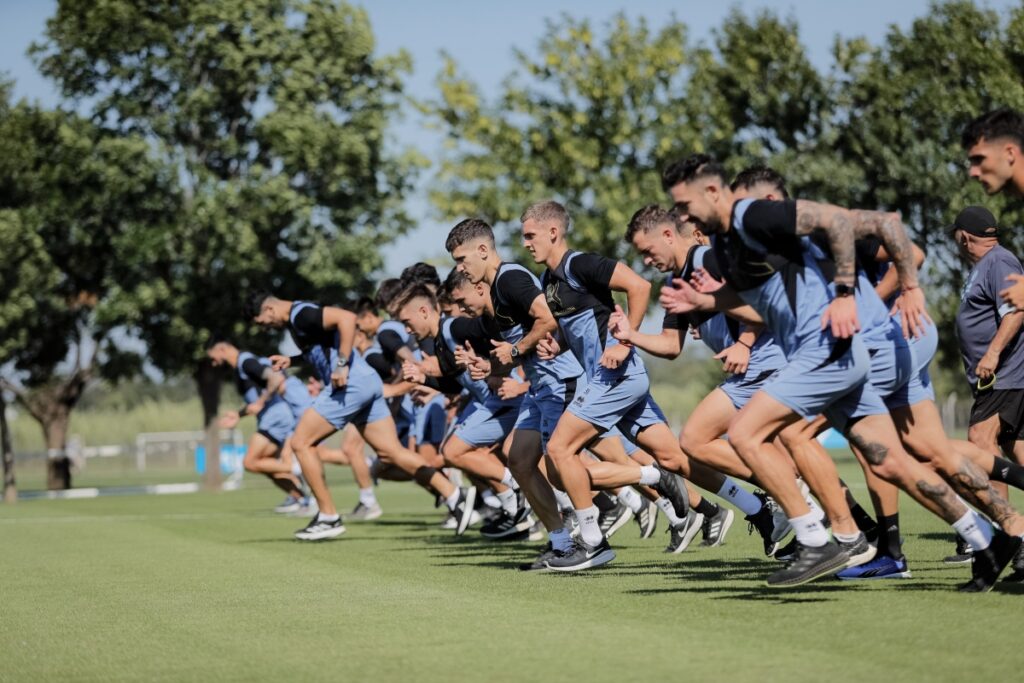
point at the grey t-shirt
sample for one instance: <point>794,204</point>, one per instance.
<point>981,311</point>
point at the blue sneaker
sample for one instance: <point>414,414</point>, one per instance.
<point>882,567</point>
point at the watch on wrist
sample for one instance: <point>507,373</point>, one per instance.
<point>843,290</point>
<point>341,363</point>
<point>514,352</point>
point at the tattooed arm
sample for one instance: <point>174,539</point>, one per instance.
<point>843,227</point>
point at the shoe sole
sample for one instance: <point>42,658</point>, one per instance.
<point>836,564</point>
<point>287,510</point>
<point>957,560</point>
<point>322,536</point>
<point>726,525</point>
<point>517,529</point>
<point>863,558</point>
<point>897,575</point>
<point>602,558</point>
<point>619,523</point>
<point>690,534</point>
<point>467,511</point>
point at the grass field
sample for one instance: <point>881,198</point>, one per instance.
<point>212,587</point>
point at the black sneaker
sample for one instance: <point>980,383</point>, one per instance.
<point>507,525</point>
<point>762,522</point>
<point>614,519</point>
<point>318,530</point>
<point>669,487</point>
<point>786,553</point>
<point>810,564</point>
<point>647,519</point>
<point>860,551</point>
<point>1018,567</point>
<point>681,536</point>
<point>464,511</point>
<point>964,553</point>
<point>716,527</point>
<point>989,563</point>
<point>581,556</point>
<point>539,564</point>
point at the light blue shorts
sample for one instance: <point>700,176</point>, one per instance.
<point>919,387</point>
<point>611,399</point>
<point>276,422</point>
<point>490,423</point>
<point>826,377</point>
<point>360,402</point>
<point>739,388</point>
<point>430,421</point>
<point>541,409</point>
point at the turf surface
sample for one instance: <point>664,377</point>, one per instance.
<point>212,587</point>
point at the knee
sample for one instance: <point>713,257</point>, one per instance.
<point>743,441</point>
<point>688,441</point>
<point>249,464</point>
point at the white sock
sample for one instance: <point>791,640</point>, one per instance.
<point>846,538</point>
<point>631,499</point>
<point>665,505</point>
<point>508,480</point>
<point>819,514</point>
<point>296,467</point>
<point>747,502</point>
<point>974,529</point>
<point>564,503</point>
<point>453,499</point>
<point>491,500</point>
<point>590,532</point>
<point>507,499</point>
<point>649,475</point>
<point>560,539</point>
<point>321,517</point>
<point>809,531</point>
<point>367,497</point>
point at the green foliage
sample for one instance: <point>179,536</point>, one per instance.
<point>274,114</point>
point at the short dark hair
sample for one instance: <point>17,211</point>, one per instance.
<point>755,175</point>
<point>547,210</point>
<point>993,125</point>
<point>366,305</point>
<point>387,291</point>
<point>692,167</point>
<point>415,291</point>
<point>254,304</point>
<point>456,278</point>
<point>467,231</point>
<point>648,218</point>
<point>421,272</point>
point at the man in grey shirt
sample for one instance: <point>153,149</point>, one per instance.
<point>991,344</point>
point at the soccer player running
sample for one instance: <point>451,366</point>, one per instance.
<point>471,447</point>
<point>578,289</point>
<point>353,394</point>
<point>275,400</point>
<point>828,364</point>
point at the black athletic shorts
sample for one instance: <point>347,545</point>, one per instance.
<point>1008,404</point>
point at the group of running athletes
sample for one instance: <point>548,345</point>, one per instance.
<point>814,310</point>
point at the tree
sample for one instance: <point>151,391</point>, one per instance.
<point>597,119</point>
<point>73,199</point>
<point>275,114</point>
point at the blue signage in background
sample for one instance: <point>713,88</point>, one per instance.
<point>231,457</point>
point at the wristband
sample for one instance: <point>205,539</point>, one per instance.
<point>749,347</point>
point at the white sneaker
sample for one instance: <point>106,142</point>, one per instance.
<point>317,530</point>
<point>288,505</point>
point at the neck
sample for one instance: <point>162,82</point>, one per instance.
<point>435,325</point>
<point>725,212</point>
<point>555,256</point>
<point>492,269</point>
<point>233,357</point>
<point>679,252</point>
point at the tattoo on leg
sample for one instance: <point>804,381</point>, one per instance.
<point>874,453</point>
<point>971,483</point>
<point>944,498</point>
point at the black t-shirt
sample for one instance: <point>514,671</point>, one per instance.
<point>307,328</point>
<point>379,363</point>
<point>513,293</point>
<point>682,321</point>
<point>254,370</point>
<point>390,344</point>
<point>761,240</point>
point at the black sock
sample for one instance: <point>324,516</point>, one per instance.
<point>1007,472</point>
<point>706,508</point>
<point>753,480</point>
<point>889,536</point>
<point>861,518</point>
<point>604,502</point>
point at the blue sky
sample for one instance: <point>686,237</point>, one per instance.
<point>481,35</point>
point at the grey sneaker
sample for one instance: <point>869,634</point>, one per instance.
<point>288,505</point>
<point>810,564</point>
<point>614,519</point>
<point>318,530</point>
<point>647,519</point>
<point>581,556</point>
<point>681,536</point>
<point>860,551</point>
<point>716,527</point>
<point>364,513</point>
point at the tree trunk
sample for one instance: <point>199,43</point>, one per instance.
<point>209,378</point>
<point>7,451</point>
<point>58,465</point>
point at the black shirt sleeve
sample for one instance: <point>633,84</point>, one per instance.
<point>476,331</point>
<point>390,343</point>
<point>768,221</point>
<point>593,271</point>
<point>254,369</point>
<point>309,321</point>
<point>427,347</point>
<point>518,291</point>
<point>377,361</point>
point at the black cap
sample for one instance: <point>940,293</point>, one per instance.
<point>977,220</point>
